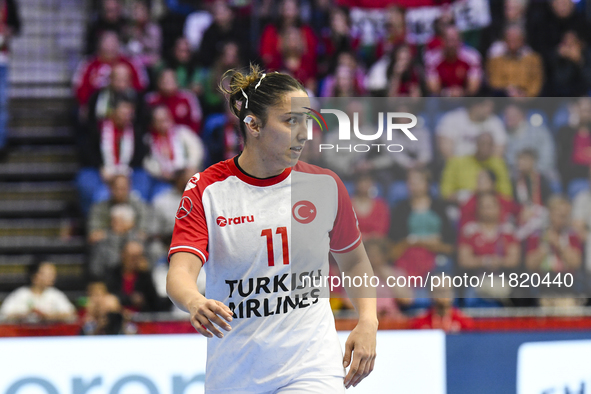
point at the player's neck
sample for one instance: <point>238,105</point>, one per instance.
<point>255,166</point>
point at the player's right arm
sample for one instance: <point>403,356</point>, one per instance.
<point>181,286</point>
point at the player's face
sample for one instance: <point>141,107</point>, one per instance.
<point>282,139</point>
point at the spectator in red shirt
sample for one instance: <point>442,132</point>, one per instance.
<point>372,211</point>
<point>488,244</point>
<point>486,184</point>
<point>271,44</point>
<point>183,105</point>
<point>557,248</point>
<point>443,315</point>
<point>93,74</point>
<point>455,69</point>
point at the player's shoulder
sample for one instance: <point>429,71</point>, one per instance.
<point>306,168</point>
<point>324,175</point>
<point>215,173</point>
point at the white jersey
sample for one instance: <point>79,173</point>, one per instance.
<point>260,239</point>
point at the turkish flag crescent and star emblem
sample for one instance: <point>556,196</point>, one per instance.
<point>304,212</point>
<point>185,208</point>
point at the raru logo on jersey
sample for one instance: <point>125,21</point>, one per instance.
<point>223,222</point>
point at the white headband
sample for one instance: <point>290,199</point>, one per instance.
<point>255,88</point>
<point>246,97</point>
<point>260,80</point>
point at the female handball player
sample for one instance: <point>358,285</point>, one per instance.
<point>261,224</point>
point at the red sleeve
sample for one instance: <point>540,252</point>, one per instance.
<point>345,235</point>
<point>190,229</point>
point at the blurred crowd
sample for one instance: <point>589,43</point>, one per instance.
<point>492,184</point>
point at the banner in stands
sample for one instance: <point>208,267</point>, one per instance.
<point>554,367</point>
<point>161,364</point>
<point>468,14</point>
<point>369,23</point>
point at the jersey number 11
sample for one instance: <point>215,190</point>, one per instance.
<point>270,254</point>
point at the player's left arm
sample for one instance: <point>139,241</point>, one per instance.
<point>361,344</point>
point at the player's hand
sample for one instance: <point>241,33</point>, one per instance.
<point>205,312</point>
<point>362,345</point>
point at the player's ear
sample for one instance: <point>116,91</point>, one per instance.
<point>252,125</point>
